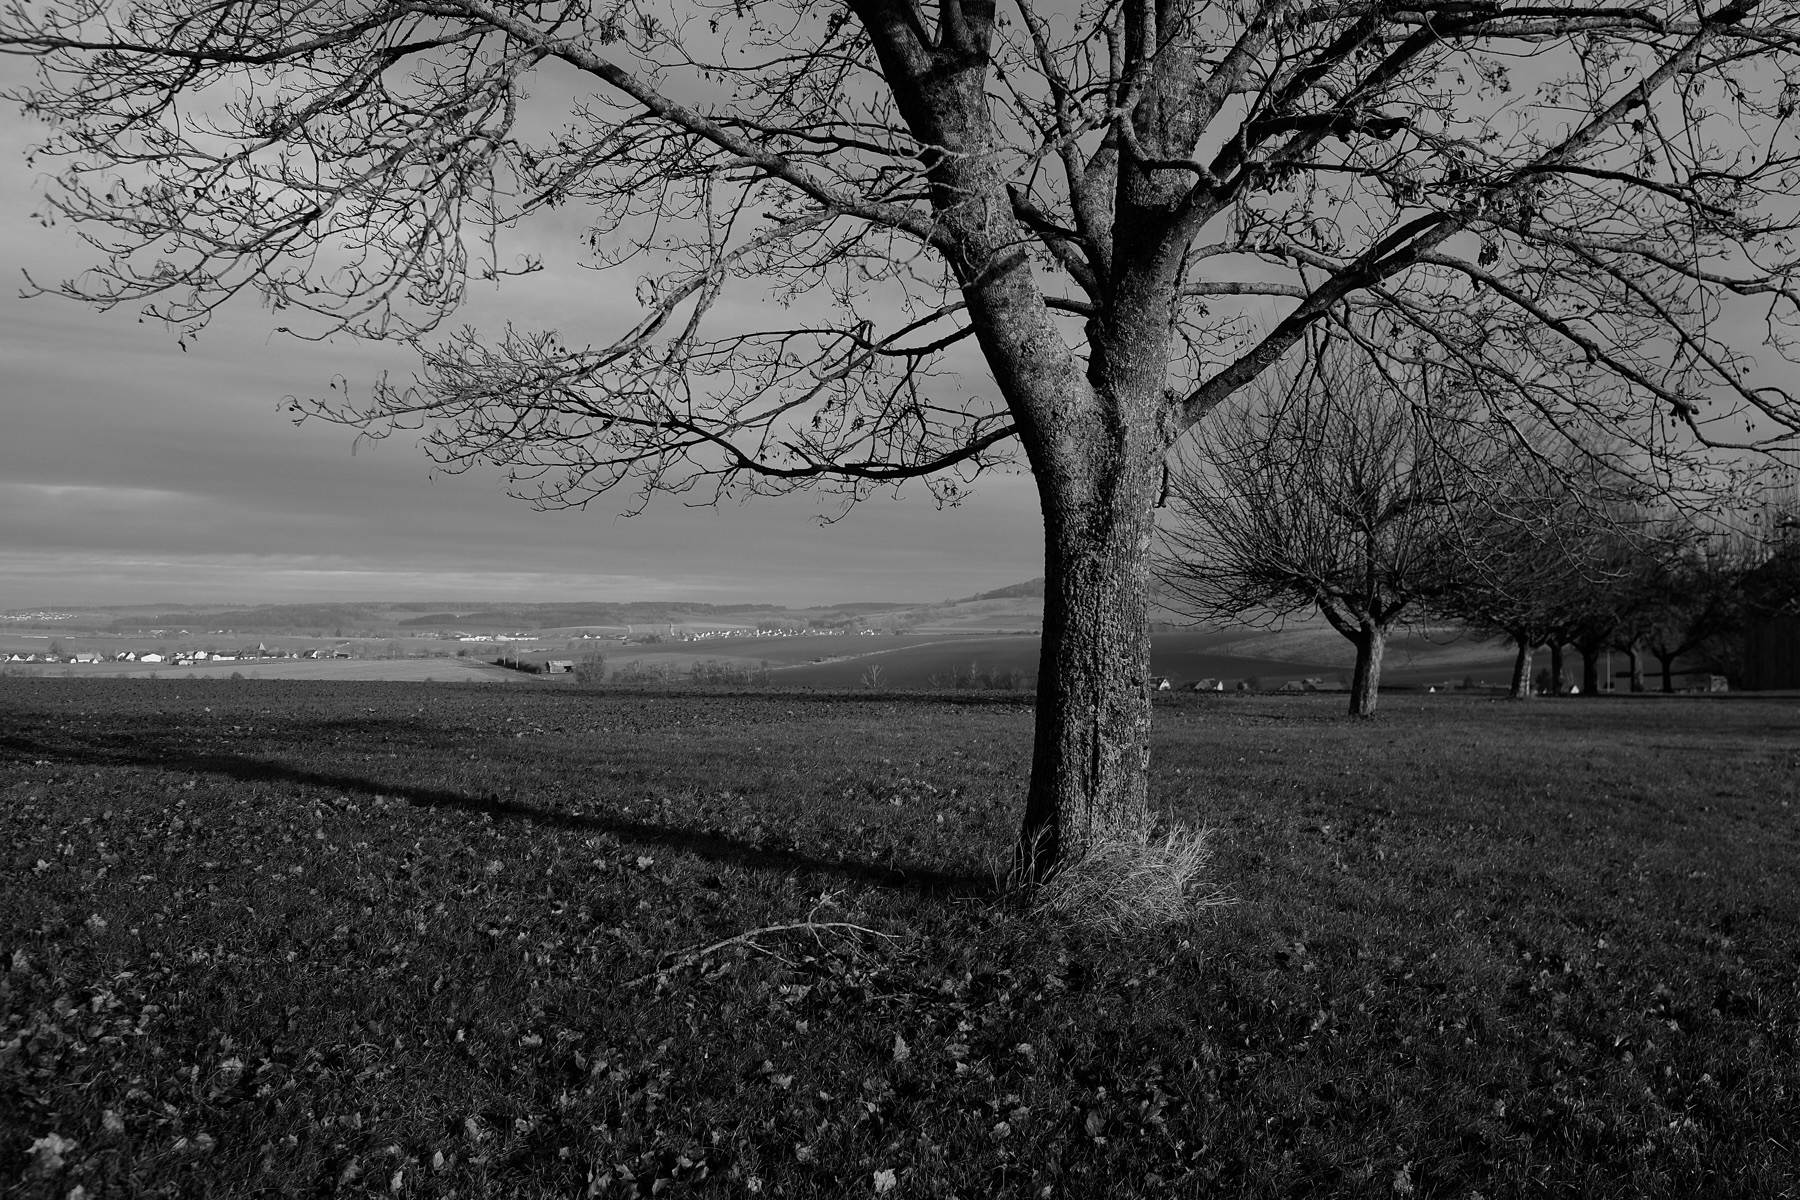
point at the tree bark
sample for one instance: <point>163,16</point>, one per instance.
<point>1094,432</point>
<point>1668,671</point>
<point>1521,676</point>
<point>1634,656</point>
<point>1590,670</point>
<point>1092,747</point>
<point>1556,668</point>
<point>1365,685</point>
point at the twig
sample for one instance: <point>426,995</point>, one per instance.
<point>693,955</point>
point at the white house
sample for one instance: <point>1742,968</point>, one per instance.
<point>152,656</point>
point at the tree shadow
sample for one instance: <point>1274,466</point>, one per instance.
<point>714,847</point>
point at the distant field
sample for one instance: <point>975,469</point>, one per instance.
<point>1184,657</point>
<point>272,938</point>
<point>910,660</point>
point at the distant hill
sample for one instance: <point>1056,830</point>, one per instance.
<point>861,607</point>
<point>1030,589</point>
<point>562,616</point>
<point>366,618</point>
<point>436,618</point>
<point>263,618</point>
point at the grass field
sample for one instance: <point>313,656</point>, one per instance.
<point>288,938</point>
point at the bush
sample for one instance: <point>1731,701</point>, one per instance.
<point>643,672</point>
<point>709,672</point>
<point>974,678</point>
<point>590,669</point>
<point>713,672</point>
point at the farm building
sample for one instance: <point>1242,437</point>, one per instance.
<point>1772,654</point>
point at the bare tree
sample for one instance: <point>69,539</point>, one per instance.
<point>1595,607</point>
<point>1323,489</point>
<point>1540,555</point>
<point>1694,593</point>
<point>1129,210</point>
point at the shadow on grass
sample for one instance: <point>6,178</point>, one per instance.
<point>714,847</point>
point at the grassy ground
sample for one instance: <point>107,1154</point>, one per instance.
<point>273,938</point>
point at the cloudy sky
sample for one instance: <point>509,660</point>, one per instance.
<point>131,471</point>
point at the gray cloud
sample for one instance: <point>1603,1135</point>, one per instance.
<point>132,471</point>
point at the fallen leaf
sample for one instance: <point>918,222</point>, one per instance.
<point>47,1154</point>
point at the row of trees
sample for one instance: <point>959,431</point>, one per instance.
<point>1379,501</point>
<point>1646,585</point>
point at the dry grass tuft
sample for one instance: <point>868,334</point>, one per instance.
<point>1133,879</point>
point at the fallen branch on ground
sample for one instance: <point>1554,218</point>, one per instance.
<point>687,958</point>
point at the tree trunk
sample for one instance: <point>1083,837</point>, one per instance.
<point>1091,757</point>
<point>1365,685</point>
<point>1590,668</point>
<point>1635,657</point>
<point>1668,671</point>
<point>1556,668</point>
<point>1521,677</point>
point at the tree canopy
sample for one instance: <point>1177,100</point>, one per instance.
<point>1511,185</point>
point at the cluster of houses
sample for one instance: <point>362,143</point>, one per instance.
<point>710,635</point>
<point>180,658</point>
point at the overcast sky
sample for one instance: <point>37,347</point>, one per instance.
<point>131,471</point>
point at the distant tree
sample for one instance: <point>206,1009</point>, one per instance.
<point>1772,586</point>
<point>1534,548</point>
<point>1324,489</point>
<point>1597,605</point>
<point>827,211</point>
<point>1771,580</point>
<point>1590,621</point>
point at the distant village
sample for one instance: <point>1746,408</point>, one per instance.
<point>178,658</point>
<point>361,647</point>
